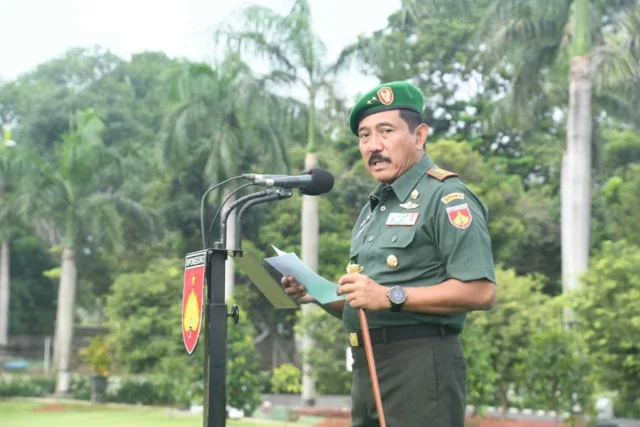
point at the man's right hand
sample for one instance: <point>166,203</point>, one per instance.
<point>297,292</point>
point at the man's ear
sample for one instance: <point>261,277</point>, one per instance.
<point>422,132</point>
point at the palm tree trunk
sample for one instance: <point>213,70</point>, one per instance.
<point>576,167</point>
<point>310,253</point>
<point>4,293</point>
<point>64,320</point>
<point>310,256</point>
<point>576,179</point>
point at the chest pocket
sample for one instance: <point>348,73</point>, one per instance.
<point>395,253</point>
<point>397,237</point>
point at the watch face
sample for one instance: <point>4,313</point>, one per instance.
<point>397,295</point>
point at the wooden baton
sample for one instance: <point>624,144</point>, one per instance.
<point>373,373</point>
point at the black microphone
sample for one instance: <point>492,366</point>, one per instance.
<point>312,183</point>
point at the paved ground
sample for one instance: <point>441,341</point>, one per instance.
<point>344,402</point>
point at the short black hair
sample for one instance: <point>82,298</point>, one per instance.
<point>412,118</point>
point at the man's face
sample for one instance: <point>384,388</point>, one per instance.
<point>387,146</point>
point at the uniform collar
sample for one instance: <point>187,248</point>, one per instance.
<point>403,186</point>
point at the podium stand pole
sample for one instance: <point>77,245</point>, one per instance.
<point>215,311</point>
<point>215,350</point>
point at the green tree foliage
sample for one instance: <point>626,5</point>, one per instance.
<point>15,176</point>
<point>81,196</point>
<point>433,49</point>
<point>144,312</point>
<point>622,148</point>
<point>524,226</point>
<point>219,121</point>
<point>499,192</point>
<point>244,383</point>
<point>327,355</point>
<point>144,315</point>
<point>509,326</point>
<point>212,121</point>
<point>46,97</point>
<point>622,201</point>
<point>482,378</point>
<point>554,370</point>
<point>436,46</point>
<point>33,295</point>
<point>609,320</point>
<point>129,97</point>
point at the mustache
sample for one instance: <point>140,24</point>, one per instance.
<point>377,157</point>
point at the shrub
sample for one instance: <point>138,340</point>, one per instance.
<point>27,385</point>
<point>286,379</point>
<point>143,391</point>
<point>80,387</point>
<point>148,338</point>
<point>243,367</point>
<point>330,344</point>
<point>98,354</point>
<point>608,318</point>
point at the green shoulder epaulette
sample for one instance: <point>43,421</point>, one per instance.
<point>440,174</point>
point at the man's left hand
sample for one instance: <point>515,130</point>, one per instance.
<point>363,292</point>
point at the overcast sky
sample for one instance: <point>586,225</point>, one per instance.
<point>33,31</point>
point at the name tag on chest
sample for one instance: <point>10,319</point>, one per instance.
<point>406,219</point>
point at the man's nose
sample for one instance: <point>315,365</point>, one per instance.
<point>375,144</point>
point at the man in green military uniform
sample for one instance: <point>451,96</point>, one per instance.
<point>423,253</point>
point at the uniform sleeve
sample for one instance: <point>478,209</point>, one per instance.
<point>461,234</point>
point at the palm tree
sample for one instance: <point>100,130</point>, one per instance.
<point>534,38</point>
<point>80,200</point>
<point>297,58</point>
<point>542,29</point>
<point>11,170</point>
<point>224,116</point>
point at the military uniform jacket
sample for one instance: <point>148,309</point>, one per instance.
<point>423,229</point>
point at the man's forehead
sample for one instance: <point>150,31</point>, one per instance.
<point>390,116</point>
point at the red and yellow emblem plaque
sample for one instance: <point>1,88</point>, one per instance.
<point>193,298</point>
<point>460,216</point>
<point>385,95</point>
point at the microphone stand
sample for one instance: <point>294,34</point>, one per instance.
<point>279,195</point>
<point>215,310</point>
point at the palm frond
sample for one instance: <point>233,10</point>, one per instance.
<point>616,63</point>
<point>512,25</point>
<point>257,45</point>
<point>98,214</point>
<point>352,54</point>
<point>278,77</point>
<point>623,104</point>
<point>144,218</point>
<point>226,119</point>
<point>413,12</point>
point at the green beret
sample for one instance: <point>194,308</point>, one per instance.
<point>398,95</point>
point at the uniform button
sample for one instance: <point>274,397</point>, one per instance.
<point>392,261</point>
<point>394,238</point>
<point>384,208</point>
<point>370,238</point>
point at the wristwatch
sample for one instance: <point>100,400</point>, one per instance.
<point>397,296</point>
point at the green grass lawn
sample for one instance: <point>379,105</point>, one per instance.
<point>24,413</point>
